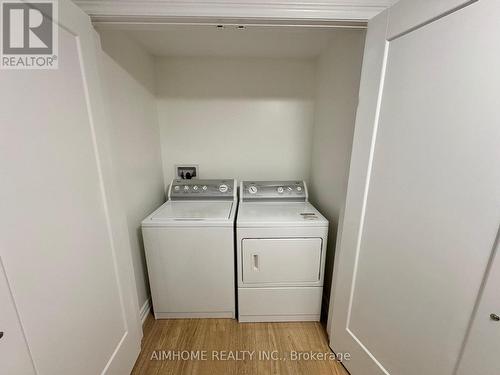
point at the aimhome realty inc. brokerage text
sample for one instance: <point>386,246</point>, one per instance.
<point>246,355</point>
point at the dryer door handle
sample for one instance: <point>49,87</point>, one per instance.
<point>255,259</point>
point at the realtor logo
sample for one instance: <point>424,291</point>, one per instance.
<point>29,34</point>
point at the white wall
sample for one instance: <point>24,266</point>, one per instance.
<point>244,119</point>
<point>135,146</point>
<point>130,55</point>
<point>338,75</point>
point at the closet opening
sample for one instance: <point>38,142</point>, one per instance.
<point>243,101</point>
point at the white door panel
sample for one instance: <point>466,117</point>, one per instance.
<point>481,349</point>
<point>15,357</point>
<point>413,257</point>
<point>63,237</point>
<point>281,260</point>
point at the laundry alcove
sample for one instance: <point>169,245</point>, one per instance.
<point>244,101</point>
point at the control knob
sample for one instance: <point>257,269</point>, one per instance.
<point>280,190</point>
<point>252,189</point>
<point>223,188</point>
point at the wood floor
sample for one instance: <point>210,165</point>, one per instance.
<point>218,339</point>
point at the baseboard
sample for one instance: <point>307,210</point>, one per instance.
<point>145,310</point>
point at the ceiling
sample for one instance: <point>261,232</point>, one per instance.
<point>228,41</point>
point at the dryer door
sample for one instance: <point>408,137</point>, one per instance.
<point>281,260</point>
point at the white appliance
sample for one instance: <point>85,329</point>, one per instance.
<point>189,243</point>
<point>281,247</point>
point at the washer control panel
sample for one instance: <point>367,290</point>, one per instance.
<point>202,189</point>
<point>273,190</point>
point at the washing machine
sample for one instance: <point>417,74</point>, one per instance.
<point>280,249</point>
<point>189,245</point>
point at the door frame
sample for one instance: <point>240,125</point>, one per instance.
<point>272,12</point>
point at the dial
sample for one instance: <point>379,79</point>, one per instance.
<point>299,188</point>
<point>204,187</point>
<point>177,188</point>
<point>289,188</point>
<point>280,190</point>
<point>195,187</point>
<point>223,188</point>
<point>186,187</point>
<point>252,189</point>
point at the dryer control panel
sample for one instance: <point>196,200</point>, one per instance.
<point>202,189</point>
<point>293,191</point>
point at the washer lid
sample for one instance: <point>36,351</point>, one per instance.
<point>192,213</point>
<point>252,214</point>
